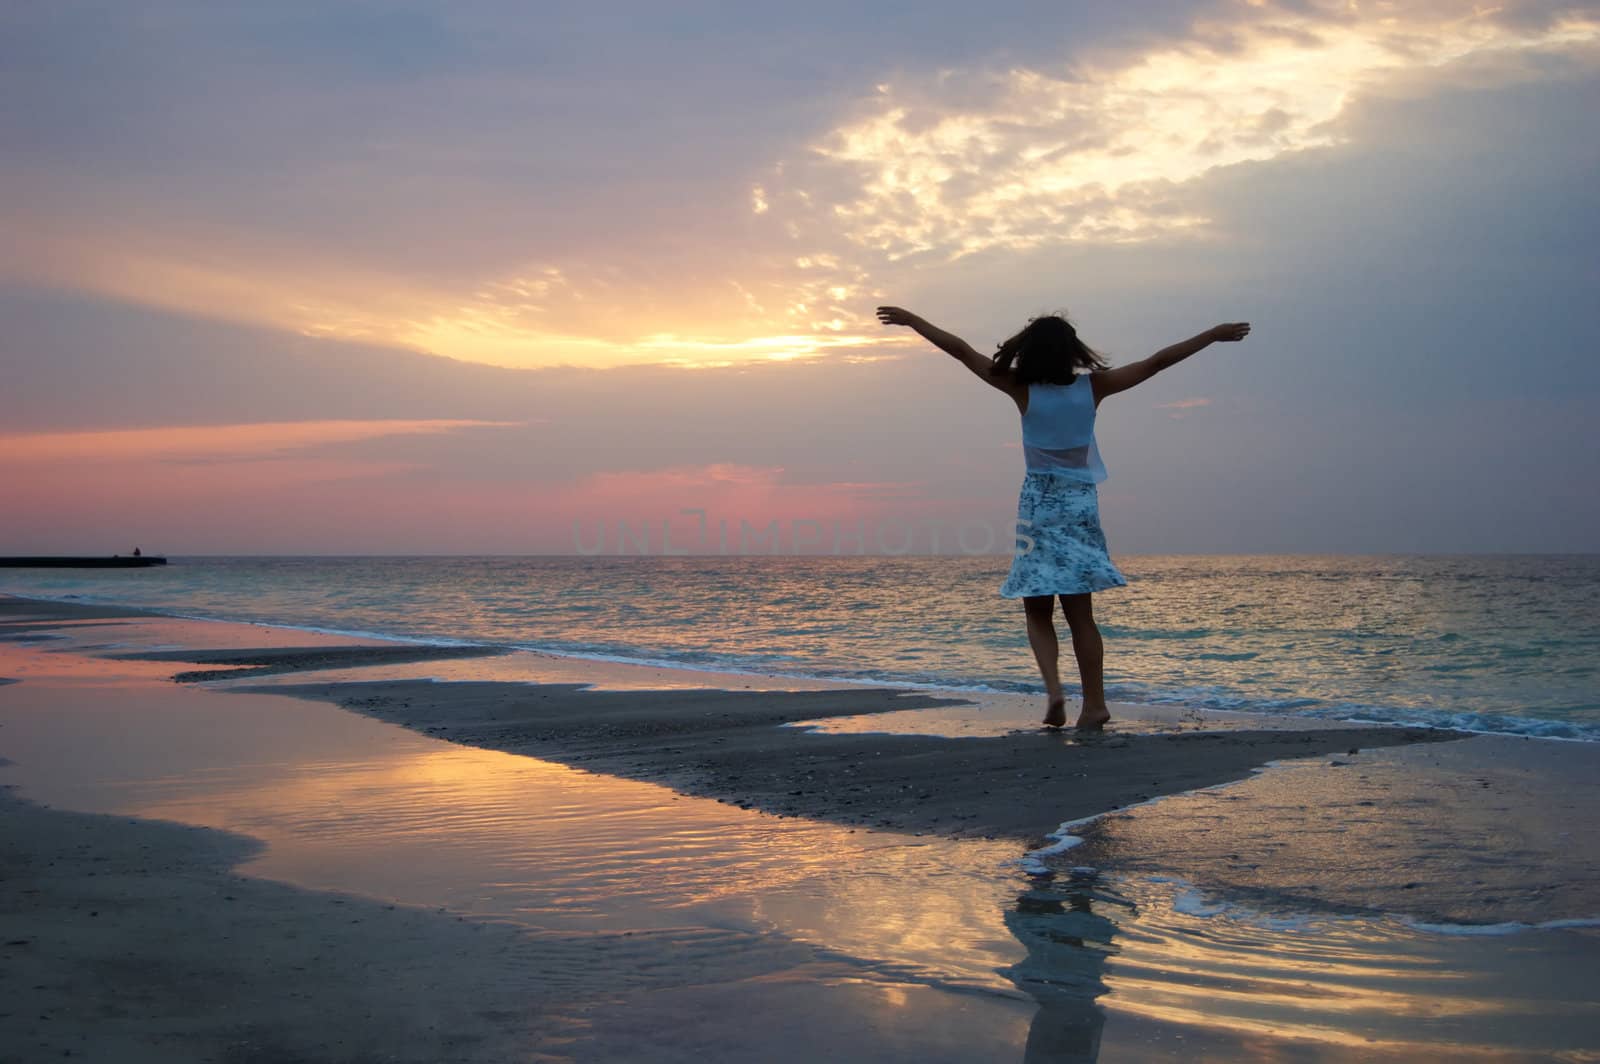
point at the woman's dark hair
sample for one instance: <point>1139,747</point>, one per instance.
<point>1047,351</point>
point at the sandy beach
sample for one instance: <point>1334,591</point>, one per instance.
<point>204,865</point>
<point>728,745</point>
<point>133,940</point>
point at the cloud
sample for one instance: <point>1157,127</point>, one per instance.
<point>961,161</point>
<point>537,315</point>
<point>1322,418</point>
<point>314,206</point>
<point>207,443</point>
<point>598,188</point>
<point>514,186</point>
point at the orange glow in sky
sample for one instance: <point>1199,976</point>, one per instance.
<point>1098,153</point>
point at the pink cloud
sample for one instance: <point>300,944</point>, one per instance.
<point>209,443</point>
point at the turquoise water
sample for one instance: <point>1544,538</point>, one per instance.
<point>1508,644</point>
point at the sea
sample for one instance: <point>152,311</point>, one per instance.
<point>1497,644</point>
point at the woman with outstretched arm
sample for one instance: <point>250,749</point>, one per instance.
<point>1058,382</point>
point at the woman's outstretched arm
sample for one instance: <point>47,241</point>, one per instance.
<point>1120,379</point>
<point>953,345</point>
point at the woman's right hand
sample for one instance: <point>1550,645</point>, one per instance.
<point>895,316</point>
<point>1237,330</point>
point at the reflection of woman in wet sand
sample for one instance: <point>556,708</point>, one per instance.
<point>1067,943</point>
<point>1057,382</point>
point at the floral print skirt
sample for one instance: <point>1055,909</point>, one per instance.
<point>1060,547</point>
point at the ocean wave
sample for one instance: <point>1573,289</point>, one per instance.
<point>894,667</point>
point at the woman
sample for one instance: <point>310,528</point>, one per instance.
<point>1057,382</point>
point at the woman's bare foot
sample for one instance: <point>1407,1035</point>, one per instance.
<point>1055,714</point>
<point>1093,719</point>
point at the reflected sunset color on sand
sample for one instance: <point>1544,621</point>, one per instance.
<point>348,804</point>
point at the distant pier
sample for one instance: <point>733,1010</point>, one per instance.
<point>65,562</point>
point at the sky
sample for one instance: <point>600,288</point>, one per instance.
<point>484,276</point>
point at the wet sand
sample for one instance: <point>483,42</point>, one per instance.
<point>728,745</point>
<point>1483,831</point>
<point>186,959</point>
<point>125,938</point>
<point>133,941</point>
<point>268,661</point>
<point>1446,827</point>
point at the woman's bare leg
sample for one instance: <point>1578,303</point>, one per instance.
<point>1040,611</point>
<point>1091,654</point>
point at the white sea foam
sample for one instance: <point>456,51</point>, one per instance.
<point>1193,902</point>
<point>1063,838</point>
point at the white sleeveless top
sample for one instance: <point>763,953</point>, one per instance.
<point>1058,431</point>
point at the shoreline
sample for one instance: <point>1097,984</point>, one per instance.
<point>729,745</point>
<point>440,648</point>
